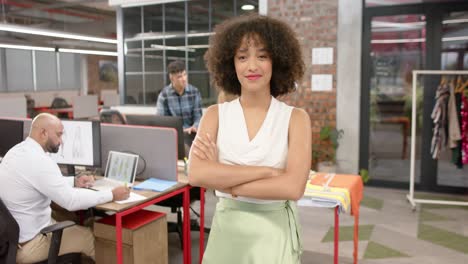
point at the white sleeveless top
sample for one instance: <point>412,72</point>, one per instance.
<point>269,147</point>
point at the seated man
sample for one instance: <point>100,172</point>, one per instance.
<point>181,99</point>
<point>30,180</point>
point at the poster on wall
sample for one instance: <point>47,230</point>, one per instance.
<point>322,56</point>
<point>108,71</point>
<point>322,82</point>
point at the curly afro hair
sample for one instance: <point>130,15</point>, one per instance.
<point>279,40</point>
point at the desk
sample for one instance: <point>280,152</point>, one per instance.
<point>354,185</point>
<point>154,197</point>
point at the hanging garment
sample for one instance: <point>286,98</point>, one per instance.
<point>457,151</point>
<point>453,125</point>
<point>439,117</point>
<point>464,129</point>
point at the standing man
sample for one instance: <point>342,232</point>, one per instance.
<point>181,99</point>
<point>30,180</point>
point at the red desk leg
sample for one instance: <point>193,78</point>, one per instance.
<point>118,232</point>
<point>337,236</point>
<point>202,222</point>
<point>186,226</point>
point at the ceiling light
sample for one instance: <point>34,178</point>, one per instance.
<point>394,41</point>
<point>460,38</point>
<point>123,3</point>
<point>155,35</point>
<point>247,7</point>
<point>92,52</point>
<point>51,33</point>
<point>455,21</point>
<point>22,47</point>
<point>180,48</point>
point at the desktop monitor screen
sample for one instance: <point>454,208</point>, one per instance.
<point>11,133</point>
<point>81,144</point>
<point>162,121</point>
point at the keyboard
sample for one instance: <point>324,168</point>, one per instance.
<point>105,184</point>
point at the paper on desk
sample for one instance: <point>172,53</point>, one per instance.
<point>156,185</point>
<point>134,197</point>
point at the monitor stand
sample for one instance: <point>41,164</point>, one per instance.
<point>71,170</point>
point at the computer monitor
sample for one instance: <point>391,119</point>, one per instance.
<point>81,144</point>
<point>11,133</point>
<point>162,121</point>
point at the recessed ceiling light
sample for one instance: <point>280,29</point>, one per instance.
<point>247,7</point>
<point>52,33</point>
<point>23,47</point>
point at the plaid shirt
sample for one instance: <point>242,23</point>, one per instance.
<point>187,105</point>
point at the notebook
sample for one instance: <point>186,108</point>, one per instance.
<point>120,171</point>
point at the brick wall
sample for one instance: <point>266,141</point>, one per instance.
<point>95,84</point>
<point>315,22</point>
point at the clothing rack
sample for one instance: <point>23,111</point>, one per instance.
<point>410,196</point>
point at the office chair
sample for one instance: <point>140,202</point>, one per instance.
<point>111,116</point>
<point>176,205</point>
<point>59,102</point>
<point>9,235</point>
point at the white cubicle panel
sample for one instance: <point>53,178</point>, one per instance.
<point>135,109</point>
<point>157,148</point>
<point>26,127</point>
<point>85,106</point>
<point>13,106</point>
<point>109,99</point>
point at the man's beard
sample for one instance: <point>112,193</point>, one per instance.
<point>51,148</point>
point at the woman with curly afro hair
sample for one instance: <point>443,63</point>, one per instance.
<point>254,151</point>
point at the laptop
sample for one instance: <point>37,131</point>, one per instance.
<point>121,170</point>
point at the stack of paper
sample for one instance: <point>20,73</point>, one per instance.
<point>134,197</point>
<point>325,196</point>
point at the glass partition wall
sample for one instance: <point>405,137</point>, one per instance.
<point>155,35</point>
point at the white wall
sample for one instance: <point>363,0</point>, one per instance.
<point>349,83</point>
<point>44,98</point>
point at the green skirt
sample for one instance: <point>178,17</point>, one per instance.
<point>249,233</point>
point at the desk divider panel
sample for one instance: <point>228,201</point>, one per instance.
<point>26,124</point>
<point>85,106</point>
<point>26,127</point>
<point>157,146</point>
<point>13,106</point>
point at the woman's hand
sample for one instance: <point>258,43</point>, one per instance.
<point>205,148</point>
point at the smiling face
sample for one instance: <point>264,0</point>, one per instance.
<point>179,81</point>
<point>253,65</point>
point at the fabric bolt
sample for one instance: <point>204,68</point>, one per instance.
<point>187,105</point>
<point>321,194</point>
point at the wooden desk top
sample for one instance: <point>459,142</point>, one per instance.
<point>116,207</point>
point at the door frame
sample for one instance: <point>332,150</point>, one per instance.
<point>434,15</point>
